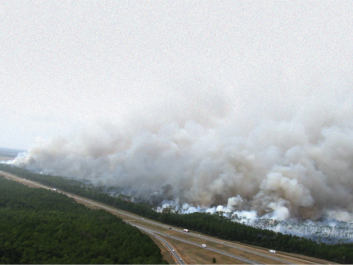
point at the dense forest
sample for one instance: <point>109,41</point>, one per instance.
<point>215,225</point>
<point>39,226</point>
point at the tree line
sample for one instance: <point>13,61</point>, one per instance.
<point>38,226</point>
<point>211,224</point>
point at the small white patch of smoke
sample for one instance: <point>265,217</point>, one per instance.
<point>341,215</point>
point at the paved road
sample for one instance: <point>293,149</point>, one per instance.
<point>212,249</point>
<point>201,236</point>
<point>173,237</point>
<point>214,240</point>
<point>158,224</point>
<point>198,245</point>
<point>165,242</point>
<point>151,231</point>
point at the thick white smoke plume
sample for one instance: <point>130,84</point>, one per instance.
<point>296,163</point>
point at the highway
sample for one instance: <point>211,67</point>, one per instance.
<point>213,240</point>
<point>212,249</point>
<point>154,232</point>
<point>174,253</point>
<point>157,233</point>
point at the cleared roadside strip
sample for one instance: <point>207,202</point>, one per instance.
<point>155,223</point>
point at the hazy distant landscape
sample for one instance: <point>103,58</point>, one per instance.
<point>9,154</point>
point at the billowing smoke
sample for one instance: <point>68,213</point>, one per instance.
<point>284,163</point>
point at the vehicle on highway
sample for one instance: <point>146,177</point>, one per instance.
<point>204,245</point>
<point>272,251</point>
<point>186,230</point>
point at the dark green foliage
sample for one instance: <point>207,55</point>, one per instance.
<point>41,226</point>
<point>214,260</point>
<point>214,225</point>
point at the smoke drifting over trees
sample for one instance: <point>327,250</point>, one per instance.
<point>298,165</point>
<point>242,104</point>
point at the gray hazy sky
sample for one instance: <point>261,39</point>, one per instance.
<point>66,65</point>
